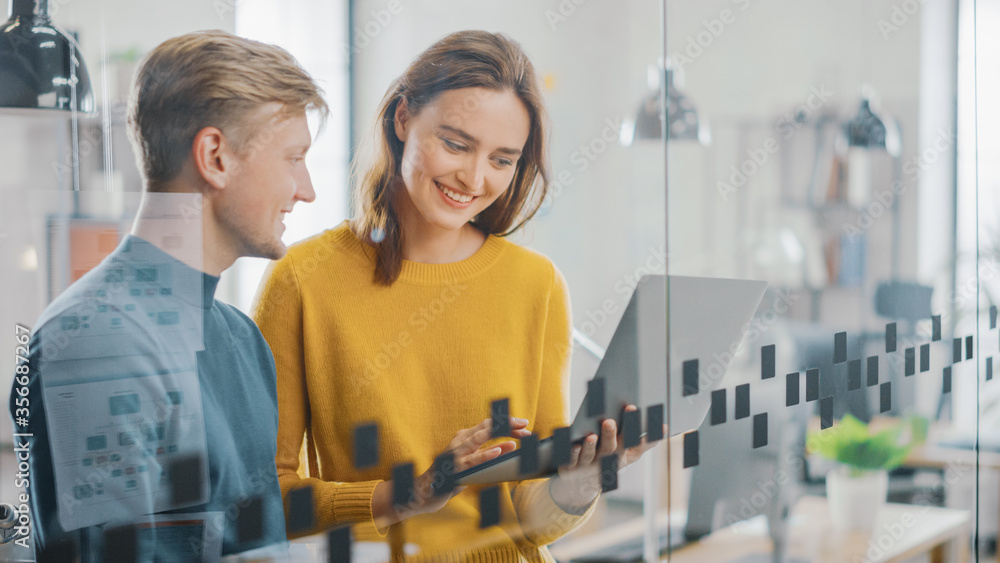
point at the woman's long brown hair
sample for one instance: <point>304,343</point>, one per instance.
<point>467,59</point>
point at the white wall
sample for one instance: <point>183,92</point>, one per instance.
<point>314,32</point>
<point>764,64</point>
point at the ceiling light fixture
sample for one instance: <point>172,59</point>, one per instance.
<point>41,67</point>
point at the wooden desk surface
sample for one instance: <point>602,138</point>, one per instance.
<point>941,457</point>
<point>902,531</point>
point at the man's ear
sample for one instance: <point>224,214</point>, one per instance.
<point>401,118</point>
<point>212,157</point>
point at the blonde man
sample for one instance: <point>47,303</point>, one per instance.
<point>148,396</point>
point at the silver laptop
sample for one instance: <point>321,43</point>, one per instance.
<point>707,322</point>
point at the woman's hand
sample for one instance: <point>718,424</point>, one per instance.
<point>579,481</point>
<point>427,497</point>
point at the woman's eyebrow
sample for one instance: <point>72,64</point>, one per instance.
<point>473,141</point>
<point>467,137</point>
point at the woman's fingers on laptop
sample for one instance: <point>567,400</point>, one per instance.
<point>483,432</point>
<point>520,433</point>
<point>588,453</point>
<point>467,443</point>
<point>609,438</point>
<point>481,456</point>
<point>630,455</point>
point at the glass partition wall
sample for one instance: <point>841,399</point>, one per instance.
<point>776,222</point>
<point>852,423</point>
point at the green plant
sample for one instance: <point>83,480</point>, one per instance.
<point>853,444</point>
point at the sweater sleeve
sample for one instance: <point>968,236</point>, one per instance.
<point>278,313</point>
<point>542,520</point>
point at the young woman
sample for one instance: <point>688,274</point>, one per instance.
<point>416,315</point>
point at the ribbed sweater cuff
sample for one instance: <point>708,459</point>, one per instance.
<point>543,520</point>
<point>551,511</point>
<point>352,502</point>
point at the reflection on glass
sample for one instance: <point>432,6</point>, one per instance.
<point>861,370</point>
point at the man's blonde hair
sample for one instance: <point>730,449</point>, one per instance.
<point>210,79</point>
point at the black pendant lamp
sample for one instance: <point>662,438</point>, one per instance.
<point>41,67</point>
<point>871,129</point>
<point>683,122</point>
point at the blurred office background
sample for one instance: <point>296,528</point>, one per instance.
<point>760,176</point>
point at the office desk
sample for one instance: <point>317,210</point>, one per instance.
<point>902,531</point>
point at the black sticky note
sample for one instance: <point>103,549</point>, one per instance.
<point>185,480</point>
<point>500,416</point>
<point>792,392</point>
<point>595,397</point>
<point>631,428</point>
<point>654,423</point>
<point>993,317</point>
<point>365,446</point>
<point>812,385</point>
<point>760,430</point>
<point>57,552</point>
<point>529,455</point>
<point>854,375</point>
<point>301,511</point>
<point>840,347</point>
<point>562,446</point>
<point>121,545</point>
<point>609,472</point>
<point>826,412</point>
<point>911,362</point>
<point>250,522</point>
<point>767,361</point>
<point>925,357</point>
<point>885,397</point>
<point>946,381</point>
<point>402,484</point>
<point>338,543</point>
<point>489,507</point>
<point>968,347</point>
<point>718,412</point>
<point>690,377</point>
<point>989,368</point>
<point>444,471</point>
<point>691,449</point>
<point>935,328</point>
<point>956,350</point>
<point>872,371</point>
<point>742,401</point>
<point>890,337</point>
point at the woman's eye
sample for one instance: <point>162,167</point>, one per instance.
<point>453,145</point>
<point>504,162</point>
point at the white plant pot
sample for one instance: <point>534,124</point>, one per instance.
<point>855,501</point>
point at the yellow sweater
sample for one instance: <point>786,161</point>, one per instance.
<point>423,359</point>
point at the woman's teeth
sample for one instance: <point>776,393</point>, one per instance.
<point>457,197</point>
